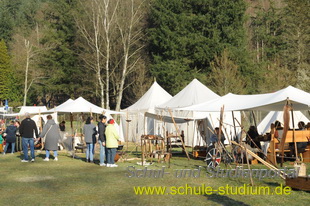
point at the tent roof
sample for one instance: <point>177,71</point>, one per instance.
<point>29,109</point>
<point>81,105</point>
<point>265,102</point>
<point>32,109</point>
<point>194,93</point>
<point>61,106</point>
<point>155,96</point>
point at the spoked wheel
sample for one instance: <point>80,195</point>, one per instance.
<point>213,158</point>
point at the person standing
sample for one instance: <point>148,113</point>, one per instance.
<point>51,134</point>
<point>10,137</point>
<point>102,138</point>
<point>89,130</point>
<point>62,127</point>
<point>26,130</point>
<point>112,138</point>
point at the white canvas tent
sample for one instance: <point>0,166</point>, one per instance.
<point>299,99</point>
<point>61,106</point>
<point>35,112</point>
<point>81,105</point>
<point>196,132</point>
<point>264,102</point>
<point>138,124</point>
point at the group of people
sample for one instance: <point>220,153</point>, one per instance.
<point>107,138</point>
<point>51,133</point>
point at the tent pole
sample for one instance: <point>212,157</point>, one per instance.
<point>233,116</point>
<point>254,119</point>
<point>127,129</point>
<point>294,139</point>
<point>286,117</point>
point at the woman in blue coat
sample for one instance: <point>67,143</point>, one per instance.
<point>10,137</point>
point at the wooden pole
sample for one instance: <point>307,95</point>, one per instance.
<point>248,164</point>
<point>294,139</point>
<point>233,116</point>
<point>286,117</point>
<point>127,129</point>
<point>178,133</point>
<point>254,119</point>
<point>282,174</point>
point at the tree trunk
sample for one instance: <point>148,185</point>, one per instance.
<point>121,87</point>
<point>107,30</point>
<point>28,48</point>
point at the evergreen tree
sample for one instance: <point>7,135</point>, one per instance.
<point>8,18</point>
<point>186,35</point>
<point>5,71</point>
<point>296,38</point>
<point>61,62</point>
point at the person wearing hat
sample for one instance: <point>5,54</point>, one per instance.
<point>89,130</point>
<point>26,130</point>
<point>102,138</point>
<point>112,138</point>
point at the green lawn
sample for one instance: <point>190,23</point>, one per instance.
<point>75,182</point>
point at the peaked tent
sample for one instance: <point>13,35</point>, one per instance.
<point>264,102</point>
<point>299,99</point>
<point>35,112</point>
<point>61,106</point>
<point>196,132</point>
<point>194,93</point>
<point>138,124</point>
<point>80,105</point>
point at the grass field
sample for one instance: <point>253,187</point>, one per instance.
<point>75,182</point>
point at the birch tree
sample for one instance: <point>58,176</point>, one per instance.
<point>26,54</point>
<point>131,29</point>
<point>97,30</point>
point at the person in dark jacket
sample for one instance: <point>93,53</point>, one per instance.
<point>102,138</point>
<point>252,137</point>
<point>52,136</point>
<point>26,130</point>
<point>88,130</point>
<point>10,137</point>
<point>62,126</point>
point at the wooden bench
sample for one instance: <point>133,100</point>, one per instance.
<point>80,147</point>
<point>300,136</point>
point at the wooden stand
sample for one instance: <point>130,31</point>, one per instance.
<point>153,146</point>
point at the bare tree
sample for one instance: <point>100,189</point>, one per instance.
<point>130,25</point>
<point>96,30</point>
<point>225,76</point>
<point>25,57</point>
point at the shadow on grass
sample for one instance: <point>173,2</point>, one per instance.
<point>224,200</point>
<point>274,184</point>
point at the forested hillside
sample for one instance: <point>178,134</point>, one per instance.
<point>110,51</point>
